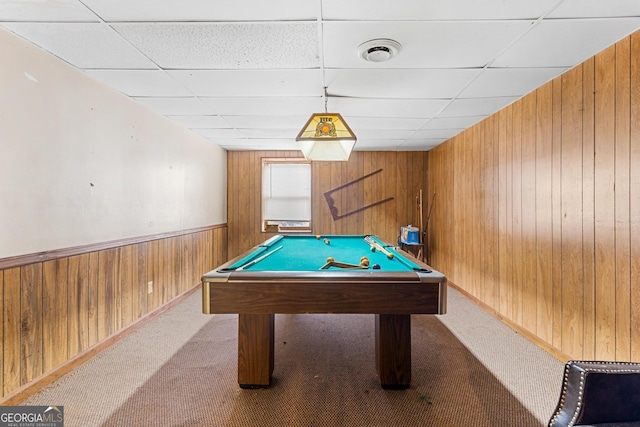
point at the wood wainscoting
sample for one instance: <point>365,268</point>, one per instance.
<point>58,306</point>
<point>537,212</point>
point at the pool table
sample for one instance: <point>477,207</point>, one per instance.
<point>294,274</point>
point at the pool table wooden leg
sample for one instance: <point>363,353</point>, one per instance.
<point>255,350</point>
<point>393,350</point>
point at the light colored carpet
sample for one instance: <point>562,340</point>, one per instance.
<point>180,370</point>
<point>529,372</point>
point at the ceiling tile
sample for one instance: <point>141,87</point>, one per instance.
<point>407,108</point>
<point>476,106</point>
<point>509,81</point>
<point>382,10</point>
<point>273,106</point>
<point>257,144</point>
<point>140,82</point>
<point>386,134</point>
<point>233,46</point>
<point>214,134</point>
<point>398,83</point>
<point>248,74</point>
<point>565,42</point>
<point>200,122</point>
<point>83,45</point>
<point>262,133</point>
<point>199,10</point>
<point>176,106</point>
<point>45,11</point>
<point>596,8</point>
<point>425,134</point>
<point>462,122</point>
<point>251,83</point>
<point>424,44</point>
<point>267,122</point>
<point>386,123</point>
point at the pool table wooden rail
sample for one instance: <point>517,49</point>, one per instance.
<point>336,295</point>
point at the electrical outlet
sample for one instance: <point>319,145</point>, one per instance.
<point>149,287</point>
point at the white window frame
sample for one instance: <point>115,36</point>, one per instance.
<point>284,225</point>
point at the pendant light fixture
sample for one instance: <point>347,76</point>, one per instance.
<point>326,137</point>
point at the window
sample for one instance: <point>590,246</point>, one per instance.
<point>286,195</point>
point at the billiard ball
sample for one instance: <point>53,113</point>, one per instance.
<point>373,248</point>
<point>364,261</point>
<point>326,241</point>
<point>390,255</point>
<point>318,236</point>
<point>330,259</point>
<point>376,266</point>
<point>364,258</point>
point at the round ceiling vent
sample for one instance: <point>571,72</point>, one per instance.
<point>379,50</point>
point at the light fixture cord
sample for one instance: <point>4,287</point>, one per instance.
<point>326,99</point>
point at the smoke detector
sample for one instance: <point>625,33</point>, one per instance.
<point>379,50</point>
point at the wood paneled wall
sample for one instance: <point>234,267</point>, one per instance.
<point>403,175</point>
<point>537,211</point>
<point>53,311</point>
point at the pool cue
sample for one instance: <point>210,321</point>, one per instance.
<point>257,260</point>
<point>425,232</point>
<point>376,245</point>
<point>420,214</point>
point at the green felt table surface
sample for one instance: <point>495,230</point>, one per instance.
<point>308,253</point>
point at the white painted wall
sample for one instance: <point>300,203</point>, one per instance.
<point>80,163</point>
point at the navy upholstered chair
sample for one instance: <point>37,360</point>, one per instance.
<point>602,394</point>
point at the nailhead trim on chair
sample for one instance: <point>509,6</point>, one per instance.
<point>583,372</point>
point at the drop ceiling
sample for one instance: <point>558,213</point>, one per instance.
<point>247,74</point>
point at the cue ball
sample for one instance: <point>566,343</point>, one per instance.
<point>376,266</point>
<point>318,236</point>
<point>326,241</point>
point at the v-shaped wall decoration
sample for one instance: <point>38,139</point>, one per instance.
<point>334,210</point>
